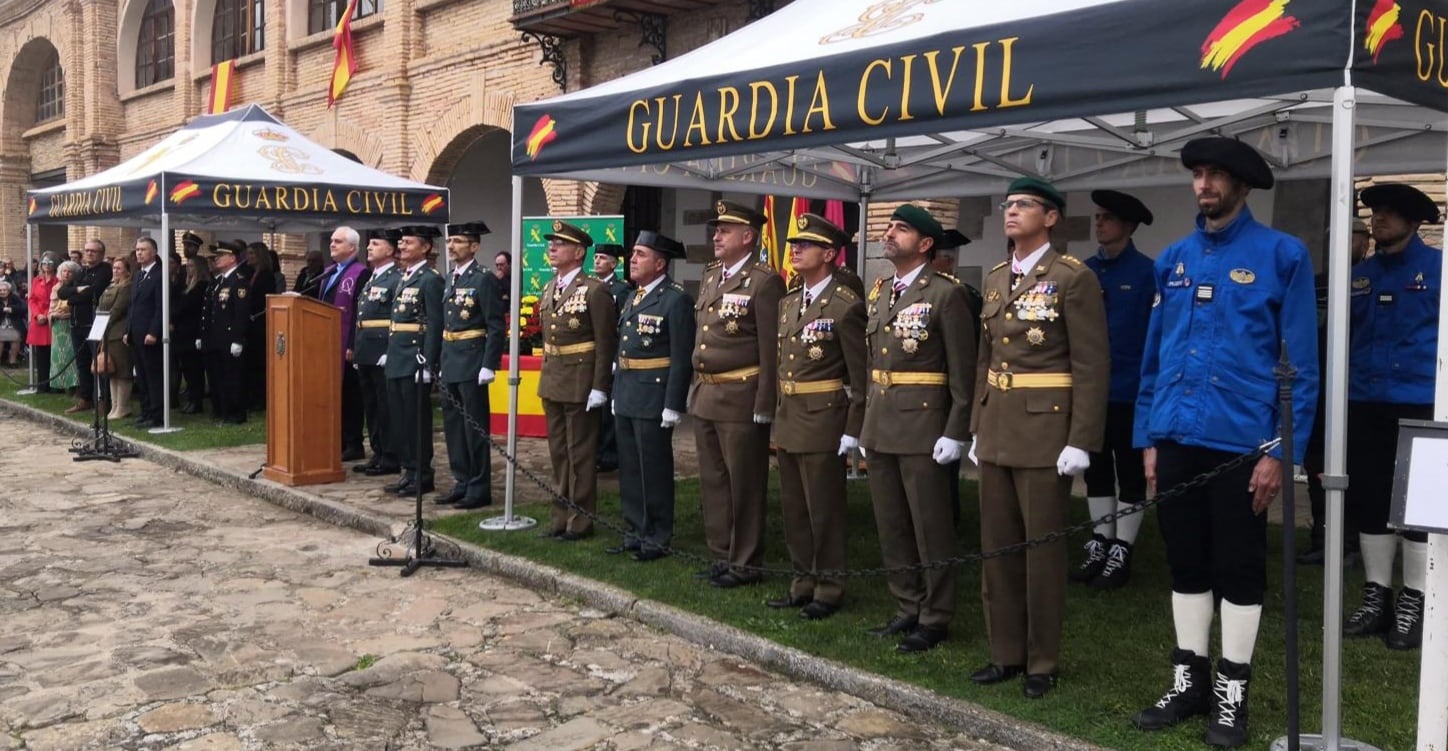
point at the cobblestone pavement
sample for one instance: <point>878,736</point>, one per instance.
<point>145,609</point>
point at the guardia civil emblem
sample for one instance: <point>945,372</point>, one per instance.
<point>1035,336</point>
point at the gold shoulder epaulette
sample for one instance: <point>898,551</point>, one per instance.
<point>947,276</point>
<point>761,266</point>
<point>847,293</point>
<point>795,282</point>
<point>677,287</point>
<point>713,264</point>
<point>1073,260</point>
<point>1000,265</point>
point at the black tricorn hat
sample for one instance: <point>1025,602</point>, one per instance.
<point>654,241</point>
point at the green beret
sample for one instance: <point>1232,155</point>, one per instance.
<point>920,219</point>
<point>1035,186</point>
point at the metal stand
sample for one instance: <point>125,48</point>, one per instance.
<point>420,550</point>
<point>102,446</point>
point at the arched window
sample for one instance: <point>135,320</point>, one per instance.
<point>323,15</point>
<point>52,90</point>
<point>237,29</point>
<point>156,43</point>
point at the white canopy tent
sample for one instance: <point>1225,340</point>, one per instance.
<point>858,100</point>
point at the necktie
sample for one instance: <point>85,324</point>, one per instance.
<point>639,295</point>
<point>808,298</point>
<point>456,277</point>
<point>895,291</point>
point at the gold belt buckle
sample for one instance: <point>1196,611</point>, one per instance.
<point>884,378</point>
<point>787,387</point>
<point>1005,380</point>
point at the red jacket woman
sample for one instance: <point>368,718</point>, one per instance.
<point>38,333</point>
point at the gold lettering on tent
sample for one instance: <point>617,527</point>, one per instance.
<point>1006,100</point>
<point>728,106</point>
<point>865,91</point>
<point>698,123</point>
<point>754,88</point>
<point>1428,53</point>
<point>819,103</point>
<point>634,126</point>
<point>942,92</point>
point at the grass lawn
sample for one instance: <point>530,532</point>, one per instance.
<point>199,432</point>
<point>1115,652</point>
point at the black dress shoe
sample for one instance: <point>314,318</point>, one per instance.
<point>146,424</point>
<point>731,579</point>
<point>604,468</point>
<point>1038,685</point>
<point>393,487</point>
<point>452,496</point>
<point>189,409</point>
<point>411,489</point>
<point>360,468</point>
<point>650,554</point>
<point>817,610</point>
<point>474,503</point>
<point>571,536</point>
<point>900,624</point>
<point>922,639</point>
<point>617,549</point>
<point>379,470</point>
<point>994,673</point>
<point>353,454</point>
<point>716,568</point>
<point>789,601</point>
<point>550,534</point>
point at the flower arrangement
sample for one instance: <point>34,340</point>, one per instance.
<point>530,331</point>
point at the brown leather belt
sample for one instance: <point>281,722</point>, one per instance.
<point>739,375</point>
<point>888,378</point>
<point>458,336</point>
<point>1007,380</point>
<point>643,363</point>
<point>406,328</point>
<point>790,388</point>
<point>375,323</point>
<point>569,349</point>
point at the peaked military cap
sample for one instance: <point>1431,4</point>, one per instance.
<point>191,238</point>
<point>654,241</point>
<point>1123,206</point>
<point>471,230</point>
<point>1035,186</point>
<point>817,229</point>
<point>1237,158</point>
<point>1404,200</point>
<point>234,247</point>
<point>570,234</point>
<point>728,212</point>
<point>920,219</point>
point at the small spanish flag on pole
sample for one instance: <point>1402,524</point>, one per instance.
<point>798,207</point>
<point>345,64</point>
<point>223,80</point>
<point>769,243</point>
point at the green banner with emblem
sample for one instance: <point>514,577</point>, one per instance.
<point>536,271</point>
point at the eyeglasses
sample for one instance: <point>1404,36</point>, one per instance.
<point>1024,203</point>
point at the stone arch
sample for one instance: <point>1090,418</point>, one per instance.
<point>22,91</point>
<point>353,139</point>
<point>128,30</point>
<point>475,113</point>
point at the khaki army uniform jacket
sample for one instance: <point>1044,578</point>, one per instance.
<point>580,339</point>
<point>735,350</point>
<point>822,369</point>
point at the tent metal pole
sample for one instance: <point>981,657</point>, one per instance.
<point>507,521</point>
<point>1433,676</point>
<point>29,281</point>
<point>864,231</point>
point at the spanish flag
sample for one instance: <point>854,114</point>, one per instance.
<point>1250,23</point>
<point>345,64</point>
<point>1383,27</point>
<point>835,214</point>
<point>769,244</point>
<point>798,208</point>
<point>223,80</point>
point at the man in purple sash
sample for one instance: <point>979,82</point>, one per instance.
<point>340,283</point>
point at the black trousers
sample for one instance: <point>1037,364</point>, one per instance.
<point>1214,541</point>
<point>402,408</point>
<point>193,369</point>
<point>1116,470</point>
<point>40,355</point>
<point>646,480</point>
<point>228,386</point>
<point>150,378</point>
<point>372,383</point>
<point>1372,453</point>
<point>469,454</point>
<point>607,438</point>
<point>351,409</point>
<point>85,382</point>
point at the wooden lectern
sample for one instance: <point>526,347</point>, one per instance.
<point>304,391</point>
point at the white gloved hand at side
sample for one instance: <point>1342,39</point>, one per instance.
<point>848,443</point>
<point>671,418</point>
<point>947,450</point>
<point>486,377</point>
<point>763,419</point>
<point>426,375</point>
<point>973,459</point>
<point>1073,461</point>
<point>382,360</point>
<point>596,399</point>
<point>236,350</point>
<point>198,345</point>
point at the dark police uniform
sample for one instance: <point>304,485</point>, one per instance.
<point>224,322</point>
<point>822,385</point>
<point>1128,285</point>
<point>416,329</point>
<point>656,337</point>
<point>1040,387</point>
<point>1226,300</point>
<point>580,339</point>
<point>922,369</point>
<point>608,435</point>
<point>734,358</point>
<point>1392,367</point>
<point>374,318</point>
<point>472,339</point>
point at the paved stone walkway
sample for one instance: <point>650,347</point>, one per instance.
<point>145,609</point>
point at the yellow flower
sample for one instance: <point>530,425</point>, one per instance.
<point>526,310</point>
<point>529,299</point>
<point>523,321</point>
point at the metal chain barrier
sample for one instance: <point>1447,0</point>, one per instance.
<point>1060,534</point>
<point>48,381</point>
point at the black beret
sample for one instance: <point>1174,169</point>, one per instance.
<point>1237,158</point>
<point>473,230</point>
<point>654,241</point>
<point>819,230</point>
<point>569,234</point>
<point>1404,200</point>
<point>1035,186</point>
<point>1123,206</point>
<point>728,212</point>
<point>424,231</point>
<point>952,240</point>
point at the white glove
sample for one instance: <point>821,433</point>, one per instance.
<point>198,344</point>
<point>596,399</point>
<point>973,459</point>
<point>382,360</point>
<point>1073,461</point>
<point>763,419</point>
<point>426,375</point>
<point>848,443</point>
<point>671,418</point>
<point>947,450</point>
<point>236,350</point>
<point>486,377</point>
